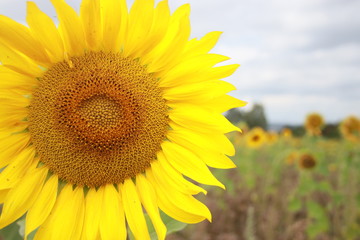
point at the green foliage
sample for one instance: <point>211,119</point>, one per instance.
<point>234,115</point>
<point>323,194</point>
<point>288,202</point>
<point>253,118</point>
<point>256,117</point>
<point>319,222</point>
<point>171,224</point>
<point>11,232</point>
<point>329,131</point>
<point>294,205</point>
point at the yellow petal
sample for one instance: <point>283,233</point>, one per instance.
<point>205,74</point>
<point>42,27</point>
<point>18,62</point>
<point>165,174</point>
<point>71,28</point>
<point>157,31</point>
<point>222,103</point>
<point>200,119</point>
<point>20,198</point>
<point>12,79</point>
<point>19,37</point>
<point>221,72</point>
<point>93,211</point>
<point>66,219</point>
<point>149,201</point>
<point>210,141</point>
<point>12,124</point>
<point>13,110</point>
<point>11,146</point>
<point>79,214</point>
<point>91,19</point>
<point>22,163</point>
<point>164,55</point>
<point>182,207</point>
<point>11,107</point>
<point>14,107</point>
<point>185,70</point>
<point>133,210</point>
<point>140,21</point>
<point>204,45</point>
<point>198,92</point>
<point>114,19</point>
<point>11,120</point>
<point>3,194</point>
<point>214,159</point>
<point>189,164</point>
<point>14,98</point>
<point>112,223</point>
<point>43,205</point>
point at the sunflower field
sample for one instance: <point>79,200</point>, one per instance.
<point>287,187</point>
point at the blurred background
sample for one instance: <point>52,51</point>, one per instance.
<point>298,157</point>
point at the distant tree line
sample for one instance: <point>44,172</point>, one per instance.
<point>253,118</point>
<point>256,117</point>
<point>330,130</point>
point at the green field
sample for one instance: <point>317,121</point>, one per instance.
<point>273,195</point>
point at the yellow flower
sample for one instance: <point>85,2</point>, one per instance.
<point>272,137</point>
<point>286,133</point>
<point>314,123</point>
<point>291,158</point>
<point>237,137</point>
<point>350,128</point>
<point>256,137</point>
<point>307,161</point>
<point>110,108</point>
<point>243,126</point>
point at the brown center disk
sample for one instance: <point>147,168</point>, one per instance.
<point>97,119</point>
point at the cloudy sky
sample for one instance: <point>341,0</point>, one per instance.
<point>296,56</point>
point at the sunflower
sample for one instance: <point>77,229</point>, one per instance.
<point>350,128</point>
<point>313,124</point>
<point>286,133</point>
<point>238,137</point>
<point>272,137</point>
<point>291,158</point>
<point>256,137</point>
<point>307,161</point>
<point>105,115</point>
